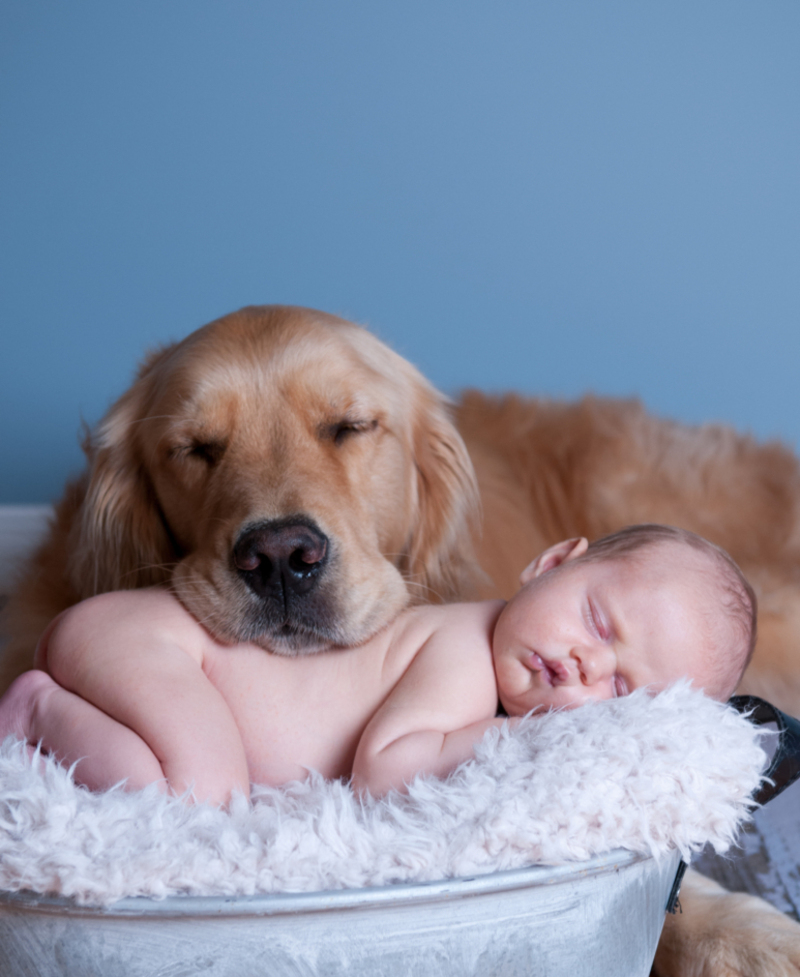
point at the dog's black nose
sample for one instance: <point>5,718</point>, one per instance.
<point>281,556</point>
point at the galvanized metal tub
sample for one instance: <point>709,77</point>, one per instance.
<point>599,918</point>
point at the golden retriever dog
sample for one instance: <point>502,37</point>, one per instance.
<point>297,483</point>
<point>293,480</point>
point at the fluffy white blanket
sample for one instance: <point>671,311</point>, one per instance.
<point>651,774</point>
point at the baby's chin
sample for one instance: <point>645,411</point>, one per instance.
<point>540,704</point>
<point>513,707</point>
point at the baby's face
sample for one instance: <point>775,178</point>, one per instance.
<point>599,630</point>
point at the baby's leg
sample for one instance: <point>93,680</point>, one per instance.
<point>37,709</point>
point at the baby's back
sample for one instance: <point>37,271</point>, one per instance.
<point>297,714</point>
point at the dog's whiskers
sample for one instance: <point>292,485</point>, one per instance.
<point>425,590</point>
<point>168,567</point>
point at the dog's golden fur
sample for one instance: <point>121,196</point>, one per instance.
<point>274,415</point>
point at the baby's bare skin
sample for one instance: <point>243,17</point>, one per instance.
<point>218,718</point>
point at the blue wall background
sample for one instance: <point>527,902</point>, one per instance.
<point>554,197</point>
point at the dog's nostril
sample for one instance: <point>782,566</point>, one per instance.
<point>301,560</point>
<point>310,548</point>
<point>245,560</point>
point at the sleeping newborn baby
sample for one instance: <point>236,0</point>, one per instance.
<point>133,687</point>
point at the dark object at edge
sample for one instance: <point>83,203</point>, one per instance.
<point>783,770</point>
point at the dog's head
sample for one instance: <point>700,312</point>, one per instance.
<point>294,480</point>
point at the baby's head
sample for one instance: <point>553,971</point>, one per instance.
<point>642,607</point>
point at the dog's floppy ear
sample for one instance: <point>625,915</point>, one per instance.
<point>119,540</point>
<point>441,553</point>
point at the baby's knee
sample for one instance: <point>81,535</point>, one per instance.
<point>20,702</point>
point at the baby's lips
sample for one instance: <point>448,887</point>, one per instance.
<point>554,672</point>
<point>538,664</point>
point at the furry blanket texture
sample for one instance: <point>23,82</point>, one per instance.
<point>650,774</point>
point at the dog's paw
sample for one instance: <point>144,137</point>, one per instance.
<point>723,934</point>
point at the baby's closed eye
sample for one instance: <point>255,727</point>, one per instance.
<point>597,621</point>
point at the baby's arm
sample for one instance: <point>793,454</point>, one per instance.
<point>440,708</point>
<point>137,656</point>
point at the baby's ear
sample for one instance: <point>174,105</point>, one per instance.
<point>553,557</point>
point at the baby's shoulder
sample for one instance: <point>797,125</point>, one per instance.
<point>466,626</point>
<point>469,617</point>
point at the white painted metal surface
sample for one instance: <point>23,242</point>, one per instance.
<point>600,918</point>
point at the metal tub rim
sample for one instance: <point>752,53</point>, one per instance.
<point>292,903</point>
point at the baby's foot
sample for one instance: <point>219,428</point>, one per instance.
<point>19,702</point>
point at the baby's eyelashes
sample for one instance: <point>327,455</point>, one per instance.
<point>596,620</point>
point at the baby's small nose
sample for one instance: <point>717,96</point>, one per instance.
<point>594,664</point>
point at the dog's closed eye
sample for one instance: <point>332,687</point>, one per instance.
<point>207,451</point>
<point>341,430</point>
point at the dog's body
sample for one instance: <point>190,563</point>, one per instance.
<point>297,483</point>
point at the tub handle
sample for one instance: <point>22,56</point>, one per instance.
<point>783,770</point>
<point>785,766</point>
